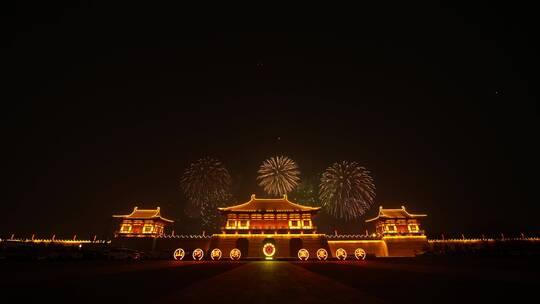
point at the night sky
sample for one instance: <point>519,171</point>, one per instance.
<point>104,107</point>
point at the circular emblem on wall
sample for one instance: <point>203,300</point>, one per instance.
<point>215,254</point>
<point>269,250</point>
<point>179,254</point>
<point>322,254</point>
<point>341,254</point>
<point>235,254</point>
<point>360,254</point>
<point>198,254</point>
<point>303,254</point>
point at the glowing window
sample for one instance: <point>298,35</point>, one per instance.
<point>231,216</point>
<point>256,216</point>
<point>391,228</point>
<point>306,216</point>
<point>413,227</point>
<point>231,223</point>
<point>269,216</point>
<point>281,216</point>
<point>243,216</point>
<point>126,228</point>
<point>306,223</point>
<point>294,216</point>
<point>294,224</point>
<point>243,224</point>
<point>148,228</point>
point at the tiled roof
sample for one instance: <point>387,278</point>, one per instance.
<point>395,214</point>
<point>144,214</point>
<point>269,205</point>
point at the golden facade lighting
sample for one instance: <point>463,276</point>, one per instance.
<point>276,215</point>
<point>142,223</point>
<point>397,222</point>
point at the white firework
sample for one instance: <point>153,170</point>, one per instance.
<point>278,175</point>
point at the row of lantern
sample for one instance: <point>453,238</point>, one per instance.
<point>341,254</point>
<point>198,254</point>
<point>235,254</point>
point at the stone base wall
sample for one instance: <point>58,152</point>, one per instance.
<point>287,245</point>
<point>251,246</point>
<point>405,246</point>
<point>371,247</point>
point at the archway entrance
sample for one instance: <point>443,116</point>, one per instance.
<point>295,245</point>
<point>243,245</point>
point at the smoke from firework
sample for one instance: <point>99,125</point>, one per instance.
<point>346,190</point>
<point>307,192</point>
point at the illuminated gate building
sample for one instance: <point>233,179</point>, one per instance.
<point>397,222</point>
<point>268,228</point>
<point>142,223</point>
<point>269,216</point>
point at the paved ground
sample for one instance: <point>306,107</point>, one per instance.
<point>376,281</point>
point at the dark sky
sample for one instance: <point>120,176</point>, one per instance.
<point>103,107</point>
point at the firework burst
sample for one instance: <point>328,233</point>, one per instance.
<point>346,190</point>
<point>278,175</point>
<point>207,185</point>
